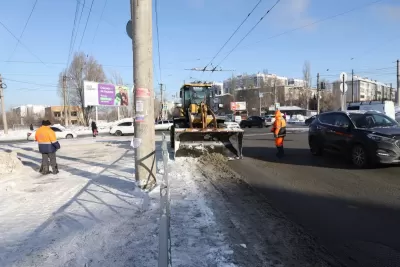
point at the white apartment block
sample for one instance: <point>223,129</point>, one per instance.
<point>257,81</point>
<point>364,89</point>
<point>218,88</point>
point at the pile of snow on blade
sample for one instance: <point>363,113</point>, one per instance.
<point>9,163</point>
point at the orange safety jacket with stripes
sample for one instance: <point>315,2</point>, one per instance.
<point>47,140</point>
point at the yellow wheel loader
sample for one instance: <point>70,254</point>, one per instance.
<point>196,128</point>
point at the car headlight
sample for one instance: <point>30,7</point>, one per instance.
<point>379,138</point>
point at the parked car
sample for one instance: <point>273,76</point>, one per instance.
<point>163,125</point>
<point>123,128</point>
<point>61,133</point>
<point>363,137</point>
<point>253,121</point>
<point>269,120</point>
<point>310,120</point>
<point>231,124</point>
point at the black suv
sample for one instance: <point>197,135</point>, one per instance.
<point>364,137</point>
<point>255,121</point>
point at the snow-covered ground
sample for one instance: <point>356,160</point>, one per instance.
<point>92,213</point>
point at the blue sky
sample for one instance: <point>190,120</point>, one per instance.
<point>191,32</point>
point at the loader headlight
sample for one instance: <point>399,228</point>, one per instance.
<point>220,105</point>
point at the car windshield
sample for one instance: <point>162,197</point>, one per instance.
<point>372,120</point>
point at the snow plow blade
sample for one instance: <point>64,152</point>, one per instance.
<point>197,142</point>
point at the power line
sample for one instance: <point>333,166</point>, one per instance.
<point>315,22</point>
<point>16,38</point>
<point>87,20</point>
<point>158,41</point>
<point>248,33</point>
<point>245,19</point>
<point>72,41</point>
<point>98,24</point>
<point>28,82</point>
<point>23,31</point>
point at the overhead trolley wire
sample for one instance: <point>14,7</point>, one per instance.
<point>223,46</point>
<point>248,33</point>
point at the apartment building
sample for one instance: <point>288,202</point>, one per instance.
<point>56,114</point>
<point>30,112</point>
<point>364,89</point>
<point>258,80</point>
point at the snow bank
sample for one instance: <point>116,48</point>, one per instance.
<point>9,163</point>
<point>14,135</point>
<point>90,214</point>
<point>197,238</point>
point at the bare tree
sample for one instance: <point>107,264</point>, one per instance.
<point>307,80</point>
<point>82,68</point>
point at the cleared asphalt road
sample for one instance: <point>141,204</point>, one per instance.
<point>353,213</point>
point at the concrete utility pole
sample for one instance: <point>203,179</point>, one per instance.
<point>65,100</point>
<point>343,96</point>
<point>162,101</point>
<point>390,92</point>
<point>142,45</point>
<point>318,90</point>
<point>398,83</point>
<point>352,85</point>
<point>3,108</point>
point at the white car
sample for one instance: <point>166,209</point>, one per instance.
<point>60,133</point>
<point>232,124</point>
<point>123,128</point>
<point>163,125</point>
<point>269,120</point>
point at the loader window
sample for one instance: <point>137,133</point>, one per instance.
<point>199,94</point>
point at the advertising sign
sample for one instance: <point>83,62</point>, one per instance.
<point>241,106</point>
<point>104,94</point>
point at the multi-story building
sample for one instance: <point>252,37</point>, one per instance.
<point>56,114</point>
<point>364,89</point>
<point>29,112</point>
<point>218,88</point>
<point>258,80</point>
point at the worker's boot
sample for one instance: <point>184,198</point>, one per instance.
<point>44,170</point>
<point>55,169</point>
<point>280,153</point>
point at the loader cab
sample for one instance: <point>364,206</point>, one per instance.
<point>195,94</point>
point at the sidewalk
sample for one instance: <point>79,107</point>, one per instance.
<point>90,214</point>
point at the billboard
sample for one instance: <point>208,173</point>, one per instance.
<point>105,94</point>
<point>238,106</point>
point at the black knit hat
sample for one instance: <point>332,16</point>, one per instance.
<point>46,123</point>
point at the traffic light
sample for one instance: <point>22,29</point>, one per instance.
<point>323,86</point>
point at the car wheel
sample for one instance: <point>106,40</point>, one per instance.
<point>118,133</point>
<point>69,136</point>
<point>359,156</point>
<point>315,149</point>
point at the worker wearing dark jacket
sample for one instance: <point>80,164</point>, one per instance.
<point>48,145</point>
<point>279,130</point>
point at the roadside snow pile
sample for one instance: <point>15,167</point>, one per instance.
<point>9,163</point>
<point>13,135</point>
<point>197,238</point>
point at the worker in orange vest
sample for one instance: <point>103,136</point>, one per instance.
<point>48,145</point>
<point>279,130</point>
